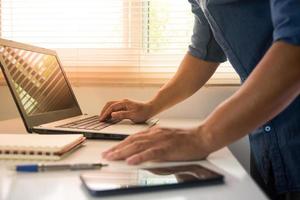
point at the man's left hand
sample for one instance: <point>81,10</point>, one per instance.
<point>161,144</point>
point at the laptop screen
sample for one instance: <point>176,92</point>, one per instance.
<point>38,80</point>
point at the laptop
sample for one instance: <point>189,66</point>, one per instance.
<point>45,99</point>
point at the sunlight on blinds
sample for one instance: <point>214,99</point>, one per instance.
<point>115,35</point>
<point>63,24</point>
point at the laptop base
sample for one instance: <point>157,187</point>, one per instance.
<point>105,136</point>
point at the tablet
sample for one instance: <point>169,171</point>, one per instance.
<point>149,179</point>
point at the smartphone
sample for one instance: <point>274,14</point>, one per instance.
<point>149,179</point>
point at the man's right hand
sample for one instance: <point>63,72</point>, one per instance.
<point>126,109</point>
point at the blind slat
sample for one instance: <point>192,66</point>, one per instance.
<point>136,35</point>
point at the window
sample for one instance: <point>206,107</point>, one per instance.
<point>115,41</point>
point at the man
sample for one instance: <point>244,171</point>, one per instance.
<point>261,39</point>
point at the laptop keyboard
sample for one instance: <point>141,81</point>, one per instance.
<point>90,123</point>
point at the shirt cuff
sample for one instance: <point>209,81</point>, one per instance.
<point>291,38</point>
<point>205,56</point>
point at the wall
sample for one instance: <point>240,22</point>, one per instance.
<point>92,99</point>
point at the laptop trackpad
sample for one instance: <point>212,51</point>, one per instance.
<point>127,127</point>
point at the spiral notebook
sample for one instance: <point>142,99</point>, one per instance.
<point>38,147</point>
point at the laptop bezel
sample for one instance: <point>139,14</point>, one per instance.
<point>37,119</point>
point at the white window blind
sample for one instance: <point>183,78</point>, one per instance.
<point>140,36</point>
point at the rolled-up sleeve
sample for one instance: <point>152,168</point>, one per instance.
<point>286,20</point>
<point>203,44</point>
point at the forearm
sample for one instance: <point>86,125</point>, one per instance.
<point>192,74</point>
<point>271,87</point>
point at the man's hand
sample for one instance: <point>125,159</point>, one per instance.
<point>190,76</point>
<point>161,144</point>
<point>126,109</point>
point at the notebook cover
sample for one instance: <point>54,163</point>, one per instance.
<point>37,147</point>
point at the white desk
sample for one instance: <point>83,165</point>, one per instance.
<point>66,184</point>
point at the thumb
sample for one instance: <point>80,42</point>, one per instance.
<point>120,115</point>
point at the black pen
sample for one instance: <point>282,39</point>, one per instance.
<point>57,167</point>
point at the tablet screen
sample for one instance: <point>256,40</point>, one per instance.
<point>149,179</point>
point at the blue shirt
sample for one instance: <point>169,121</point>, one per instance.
<point>242,31</point>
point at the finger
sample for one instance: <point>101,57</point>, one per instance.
<point>106,106</point>
<point>129,150</point>
<point>113,107</point>
<point>148,155</point>
<point>120,115</point>
<point>128,140</point>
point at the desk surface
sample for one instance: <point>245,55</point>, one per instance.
<point>66,184</point>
